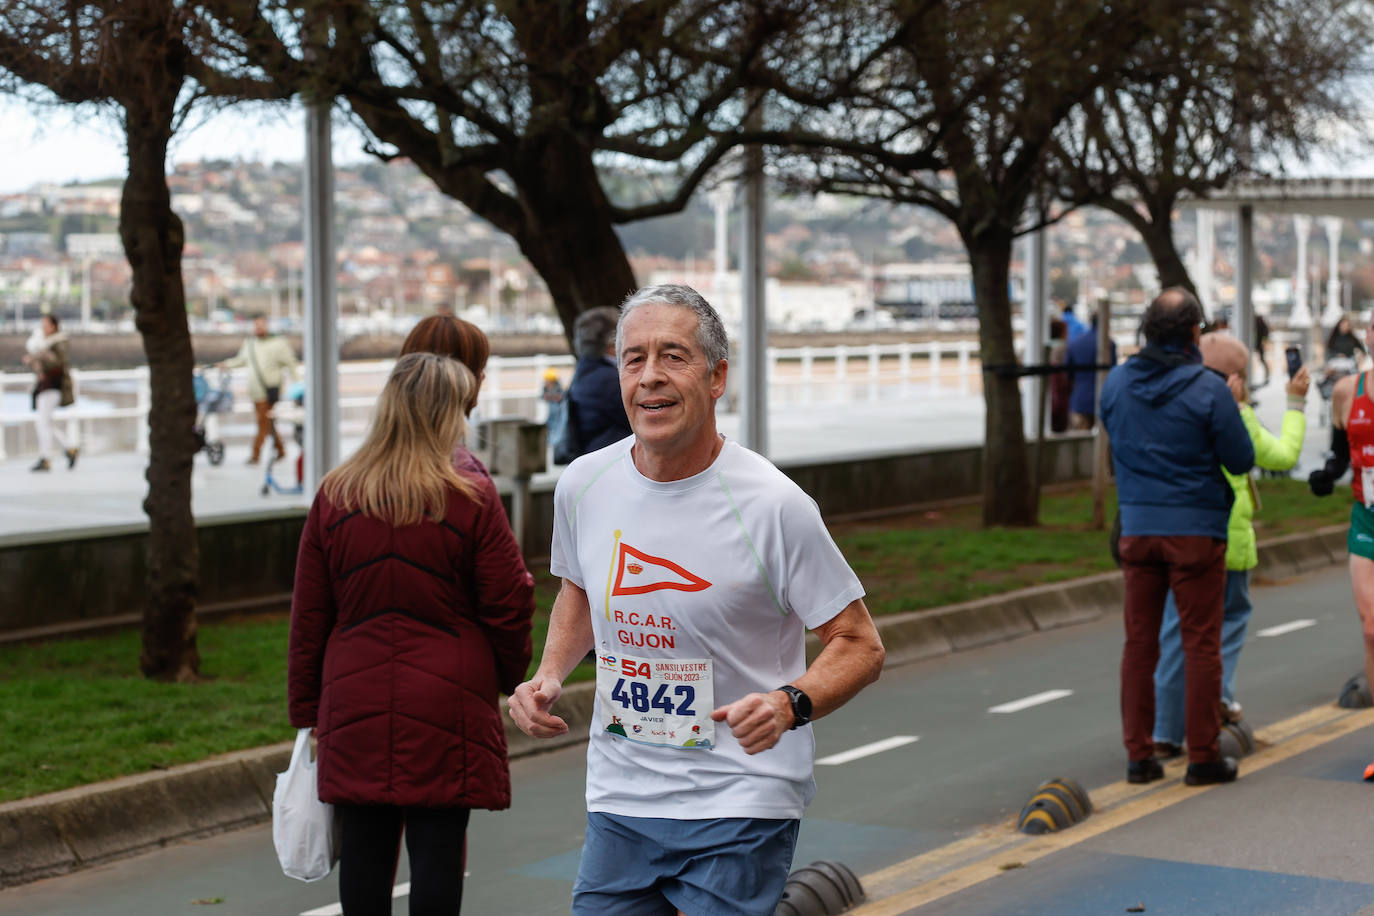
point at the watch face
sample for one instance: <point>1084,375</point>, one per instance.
<point>801,705</point>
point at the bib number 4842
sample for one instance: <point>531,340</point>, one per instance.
<point>637,697</point>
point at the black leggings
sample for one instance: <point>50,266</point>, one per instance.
<point>372,847</point>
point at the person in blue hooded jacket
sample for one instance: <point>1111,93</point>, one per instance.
<point>1173,426</point>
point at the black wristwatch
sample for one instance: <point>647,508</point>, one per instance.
<point>801,704</point>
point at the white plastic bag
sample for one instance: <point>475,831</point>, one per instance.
<point>303,827</point>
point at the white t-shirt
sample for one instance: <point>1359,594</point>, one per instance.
<point>738,561</point>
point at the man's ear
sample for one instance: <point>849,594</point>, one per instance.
<point>718,375</point>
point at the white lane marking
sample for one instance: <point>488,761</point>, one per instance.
<point>336,909</point>
<point>1289,627</point>
<point>1049,696</point>
<point>867,750</point>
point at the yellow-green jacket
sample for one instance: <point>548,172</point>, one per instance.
<point>1274,453</point>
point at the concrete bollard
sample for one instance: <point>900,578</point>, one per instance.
<point>1056,804</point>
<point>1355,693</point>
<point>820,889</point>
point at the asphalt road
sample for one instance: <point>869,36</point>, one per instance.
<point>969,767</point>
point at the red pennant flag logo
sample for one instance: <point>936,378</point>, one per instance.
<point>638,573</point>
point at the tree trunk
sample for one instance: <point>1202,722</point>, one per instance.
<point>152,237</point>
<point>1157,232</point>
<point>1008,498</point>
<point>568,233</point>
<point>1159,239</point>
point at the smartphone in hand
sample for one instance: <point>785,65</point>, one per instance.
<point>1294,357</point>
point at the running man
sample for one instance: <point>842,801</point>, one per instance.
<point>693,568</point>
<point>1352,445</point>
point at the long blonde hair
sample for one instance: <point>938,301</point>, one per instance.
<point>403,471</point>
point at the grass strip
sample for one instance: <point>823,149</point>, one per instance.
<point>77,711</point>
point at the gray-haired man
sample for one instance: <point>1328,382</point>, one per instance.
<point>693,568</point>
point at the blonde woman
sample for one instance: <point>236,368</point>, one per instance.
<point>411,612</point>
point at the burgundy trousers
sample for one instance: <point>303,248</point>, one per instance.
<point>1195,568</point>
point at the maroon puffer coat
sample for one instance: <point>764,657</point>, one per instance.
<point>401,639</point>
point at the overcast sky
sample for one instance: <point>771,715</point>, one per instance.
<point>53,144</point>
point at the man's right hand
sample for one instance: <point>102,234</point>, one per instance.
<point>530,705</point>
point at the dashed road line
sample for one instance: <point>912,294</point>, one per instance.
<point>1049,696</point>
<point>867,750</point>
<point>1285,628</point>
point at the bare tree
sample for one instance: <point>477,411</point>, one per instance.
<point>1234,92</point>
<point>957,115</point>
<point>131,56</point>
<point>515,108</point>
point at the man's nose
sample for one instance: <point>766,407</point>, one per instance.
<point>653,371</point>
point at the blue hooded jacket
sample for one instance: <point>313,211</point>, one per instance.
<point>1173,425</point>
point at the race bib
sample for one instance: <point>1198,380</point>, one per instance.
<point>1367,479</point>
<point>666,702</point>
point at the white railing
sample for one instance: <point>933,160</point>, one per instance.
<point>111,409</point>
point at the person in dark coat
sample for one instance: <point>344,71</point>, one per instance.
<point>410,615</point>
<point>1174,426</point>
<point>596,414</point>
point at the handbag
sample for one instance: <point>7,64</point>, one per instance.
<point>304,830</point>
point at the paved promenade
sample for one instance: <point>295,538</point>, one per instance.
<point>108,490</point>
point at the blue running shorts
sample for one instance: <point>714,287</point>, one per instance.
<point>646,866</point>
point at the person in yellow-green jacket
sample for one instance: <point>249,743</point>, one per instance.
<point>1229,357</point>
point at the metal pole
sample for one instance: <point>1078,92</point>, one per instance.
<point>1034,315</point>
<point>753,425</point>
<point>1244,319</point>
<point>321,307</point>
<point>1206,250</point>
<point>1101,470</point>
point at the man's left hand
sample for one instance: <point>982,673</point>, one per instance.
<point>757,720</point>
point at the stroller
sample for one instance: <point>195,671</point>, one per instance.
<point>289,409</point>
<point>210,403</point>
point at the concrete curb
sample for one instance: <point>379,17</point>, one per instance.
<point>61,832</point>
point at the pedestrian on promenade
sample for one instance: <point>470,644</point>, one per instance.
<point>1073,326</point>
<point>411,612</point>
<point>692,567</point>
<point>1262,346</point>
<point>1061,383</point>
<point>1227,355</point>
<point>464,341</point>
<point>554,398</point>
<point>596,417</point>
<point>1352,446</point>
<point>1081,357</point>
<point>1343,341</point>
<point>1173,426</point>
<point>46,354</point>
<point>271,364</point>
